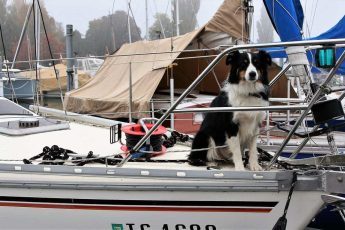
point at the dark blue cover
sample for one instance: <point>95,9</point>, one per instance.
<point>287,18</point>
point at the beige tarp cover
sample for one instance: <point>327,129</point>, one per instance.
<point>107,92</point>
<point>47,78</point>
<point>229,19</point>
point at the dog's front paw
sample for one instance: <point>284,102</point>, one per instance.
<point>197,162</point>
<point>254,166</point>
<point>239,167</point>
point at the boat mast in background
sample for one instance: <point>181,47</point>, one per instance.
<point>38,33</point>
<point>128,22</point>
<point>177,19</point>
<point>146,21</point>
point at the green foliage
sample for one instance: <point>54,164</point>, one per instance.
<point>188,10</point>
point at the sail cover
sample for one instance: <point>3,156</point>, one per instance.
<point>107,94</point>
<point>229,19</point>
<point>287,18</point>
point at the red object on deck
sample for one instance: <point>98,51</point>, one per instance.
<point>137,130</point>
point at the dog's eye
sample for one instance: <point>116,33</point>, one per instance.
<point>246,61</point>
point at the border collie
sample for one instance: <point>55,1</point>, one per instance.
<point>224,136</point>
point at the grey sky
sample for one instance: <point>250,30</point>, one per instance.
<point>80,12</point>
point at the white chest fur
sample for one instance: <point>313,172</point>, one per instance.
<point>250,121</point>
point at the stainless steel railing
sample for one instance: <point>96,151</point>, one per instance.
<point>242,47</point>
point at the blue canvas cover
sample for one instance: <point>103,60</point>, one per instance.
<point>287,18</point>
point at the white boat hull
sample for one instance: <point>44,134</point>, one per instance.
<point>129,203</point>
<point>29,213</point>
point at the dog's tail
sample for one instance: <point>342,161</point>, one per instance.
<point>198,155</point>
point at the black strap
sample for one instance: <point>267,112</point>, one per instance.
<point>282,221</point>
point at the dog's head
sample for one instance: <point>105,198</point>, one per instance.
<point>248,67</point>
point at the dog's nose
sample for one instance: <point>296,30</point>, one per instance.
<point>252,75</point>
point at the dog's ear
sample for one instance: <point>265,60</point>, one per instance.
<point>265,57</point>
<point>230,59</point>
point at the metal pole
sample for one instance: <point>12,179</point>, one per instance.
<point>69,56</point>
<point>76,77</point>
<point>268,128</point>
<point>129,24</point>
<point>172,95</point>
<point>281,73</point>
<point>304,142</point>
<point>177,19</point>
<point>288,96</point>
<point>130,93</point>
<point>211,66</point>
<point>38,33</point>
<point>342,96</point>
<point>1,81</point>
<point>304,114</point>
<point>244,108</point>
<point>22,35</point>
<point>146,21</point>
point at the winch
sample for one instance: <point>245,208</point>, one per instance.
<point>134,132</point>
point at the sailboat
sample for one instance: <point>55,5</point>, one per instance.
<point>69,175</point>
<point>159,70</point>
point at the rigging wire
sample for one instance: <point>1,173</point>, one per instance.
<point>159,19</point>
<point>36,99</point>
<point>136,25</point>
<point>287,12</point>
<point>306,21</point>
<point>13,94</point>
<point>312,21</point>
<point>51,54</point>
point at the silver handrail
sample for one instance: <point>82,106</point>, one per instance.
<point>244,108</point>
<point>212,65</point>
<point>305,113</point>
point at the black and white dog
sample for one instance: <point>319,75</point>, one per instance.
<point>247,85</point>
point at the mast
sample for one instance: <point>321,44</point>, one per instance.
<point>38,33</point>
<point>249,10</point>
<point>177,18</point>
<point>128,23</point>
<point>146,21</point>
<point>22,36</point>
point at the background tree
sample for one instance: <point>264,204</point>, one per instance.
<point>188,10</point>
<point>99,37</point>
<point>55,35</point>
<point>161,20</point>
<point>79,44</point>
<point>12,15</point>
<point>105,35</point>
<point>264,27</point>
